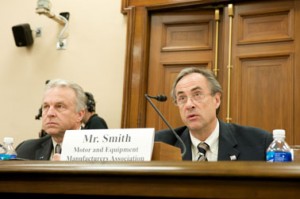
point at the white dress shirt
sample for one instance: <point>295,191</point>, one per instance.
<point>212,141</point>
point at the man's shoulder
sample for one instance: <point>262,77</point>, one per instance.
<point>168,136</point>
<point>239,130</point>
<point>36,141</point>
<point>244,128</point>
<point>178,130</point>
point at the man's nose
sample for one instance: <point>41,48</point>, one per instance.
<point>189,102</point>
<point>51,111</point>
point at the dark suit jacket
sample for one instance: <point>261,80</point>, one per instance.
<point>244,143</point>
<point>35,149</point>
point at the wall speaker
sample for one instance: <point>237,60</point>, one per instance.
<point>23,35</point>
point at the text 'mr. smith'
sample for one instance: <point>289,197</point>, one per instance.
<point>106,138</point>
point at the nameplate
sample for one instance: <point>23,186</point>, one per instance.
<point>134,144</point>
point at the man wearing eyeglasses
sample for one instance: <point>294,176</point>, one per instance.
<point>197,94</point>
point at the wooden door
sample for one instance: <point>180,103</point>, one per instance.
<point>177,40</point>
<point>263,65</point>
<point>264,89</point>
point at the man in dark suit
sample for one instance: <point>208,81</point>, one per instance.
<point>197,94</point>
<point>63,108</point>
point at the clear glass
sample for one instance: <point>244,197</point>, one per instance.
<point>295,149</point>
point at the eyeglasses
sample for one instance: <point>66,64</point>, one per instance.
<point>195,97</point>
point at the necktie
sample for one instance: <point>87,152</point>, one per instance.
<point>202,147</point>
<point>57,149</point>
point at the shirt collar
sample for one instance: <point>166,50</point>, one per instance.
<point>212,140</point>
<point>54,143</point>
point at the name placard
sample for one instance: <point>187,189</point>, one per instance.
<point>134,144</point>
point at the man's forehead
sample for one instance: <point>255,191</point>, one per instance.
<point>59,93</point>
<point>193,81</point>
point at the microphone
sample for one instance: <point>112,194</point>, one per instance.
<point>163,98</point>
<point>160,98</point>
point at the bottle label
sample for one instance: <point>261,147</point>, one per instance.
<point>7,156</point>
<point>279,156</point>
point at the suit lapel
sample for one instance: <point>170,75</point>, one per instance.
<point>227,144</point>
<point>44,152</point>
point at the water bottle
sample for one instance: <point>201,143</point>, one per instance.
<point>3,151</point>
<point>279,150</point>
<point>10,152</point>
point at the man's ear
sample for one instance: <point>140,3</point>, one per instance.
<point>218,99</point>
<point>81,115</point>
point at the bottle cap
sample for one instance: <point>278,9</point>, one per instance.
<point>8,140</point>
<point>279,133</point>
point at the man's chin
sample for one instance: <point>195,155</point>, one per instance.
<point>193,125</point>
<point>52,131</point>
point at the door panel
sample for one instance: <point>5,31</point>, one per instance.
<point>177,40</point>
<point>265,92</point>
<point>263,84</point>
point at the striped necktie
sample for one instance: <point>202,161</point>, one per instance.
<point>202,148</point>
<point>57,149</point>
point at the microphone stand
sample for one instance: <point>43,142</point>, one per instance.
<point>167,123</point>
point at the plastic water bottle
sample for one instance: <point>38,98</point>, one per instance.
<point>10,152</point>
<point>3,151</point>
<point>279,150</point>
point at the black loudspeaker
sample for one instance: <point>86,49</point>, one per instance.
<point>23,35</point>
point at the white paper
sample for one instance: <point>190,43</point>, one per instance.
<point>132,144</point>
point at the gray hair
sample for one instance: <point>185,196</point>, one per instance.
<point>214,85</point>
<point>79,92</point>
